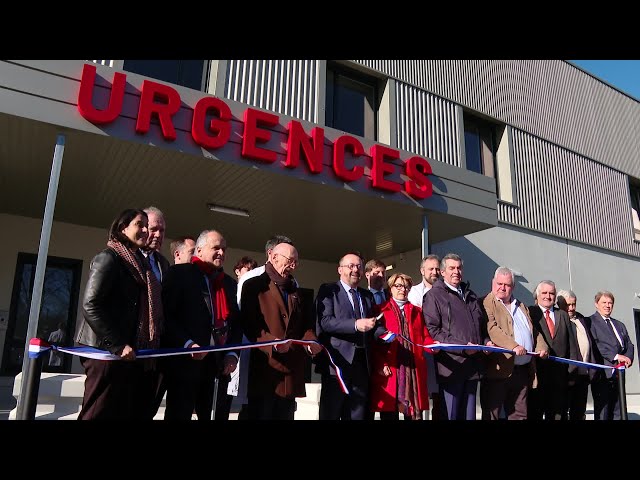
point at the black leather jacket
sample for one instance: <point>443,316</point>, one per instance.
<point>110,305</point>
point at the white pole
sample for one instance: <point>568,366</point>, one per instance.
<point>30,379</point>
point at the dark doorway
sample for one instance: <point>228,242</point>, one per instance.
<point>58,311</point>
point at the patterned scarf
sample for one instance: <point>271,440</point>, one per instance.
<point>285,285</point>
<point>407,378</point>
<point>216,290</point>
<point>150,315</point>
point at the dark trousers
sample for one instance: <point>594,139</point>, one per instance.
<point>577,397</point>
<point>336,405</point>
<point>243,414</point>
<point>510,393</point>
<point>549,400</point>
<point>190,386</point>
<point>114,390</point>
<point>606,399</point>
<point>271,407</point>
<point>392,416</point>
<point>161,384</point>
<point>459,399</point>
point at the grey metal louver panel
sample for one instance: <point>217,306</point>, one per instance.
<point>590,206</point>
<point>287,87</point>
<point>551,99</point>
<point>426,124</point>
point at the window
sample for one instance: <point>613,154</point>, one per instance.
<point>352,102</point>
<point>480,145</point>
<point>188,73</point>
<point>58,311</point>
<point>634,191</point>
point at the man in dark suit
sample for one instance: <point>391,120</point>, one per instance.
<point>345,325</point>
<point>159,265</point>
<point>200,309</point>
<point>579,377</point>
<point>550,398</point>
<point>612,346</point>
<point>375,272</point>
<point>157,226</point>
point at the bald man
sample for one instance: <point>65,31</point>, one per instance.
<point>272,309</point>
<point>346,326</point>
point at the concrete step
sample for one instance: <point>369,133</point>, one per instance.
<point>60,398</point>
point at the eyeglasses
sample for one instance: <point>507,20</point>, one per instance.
<point>290,262</point>
<point>353,266</point>
<point>401,286</point>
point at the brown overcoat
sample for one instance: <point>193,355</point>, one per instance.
<point>265,317</point>
<point>500,330</point>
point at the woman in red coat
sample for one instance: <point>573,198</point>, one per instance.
<point>399,369</point>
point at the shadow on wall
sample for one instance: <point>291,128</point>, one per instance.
<point>479,268</point>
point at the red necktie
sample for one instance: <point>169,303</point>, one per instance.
<point>552,327</point>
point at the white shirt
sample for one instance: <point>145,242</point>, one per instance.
<point>522,333</point>
<point>381,292</point>
<point>416,294</point>
<point>551,314</point>
<point>250,274</point>
<point>615,331</point>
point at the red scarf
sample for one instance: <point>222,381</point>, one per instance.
<point>216,290</point>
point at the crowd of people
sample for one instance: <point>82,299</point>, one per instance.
<point>387,342</point>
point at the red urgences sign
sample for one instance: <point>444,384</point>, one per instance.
<point>164,101</point>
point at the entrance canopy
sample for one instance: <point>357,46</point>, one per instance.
<point>107,168</point>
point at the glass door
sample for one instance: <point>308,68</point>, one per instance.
<point>58,311</point>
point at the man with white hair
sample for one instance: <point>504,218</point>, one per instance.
<point>550,398</point>
<point>509,377</point>
<point>159,266</point>
<point>579,377</point>
<point>200,310</point>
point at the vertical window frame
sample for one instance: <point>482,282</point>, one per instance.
<point>335,74</point>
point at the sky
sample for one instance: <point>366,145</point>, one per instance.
<point>622,74</point>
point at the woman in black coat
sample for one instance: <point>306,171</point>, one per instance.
<point>122,312</point>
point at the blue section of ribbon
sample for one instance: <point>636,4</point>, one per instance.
<point>90,352</point>
<point>484,348</point>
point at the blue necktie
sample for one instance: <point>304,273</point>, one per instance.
<point>154,267</point>
<point>379,298</point>
<point>358,313</point>
<point>356,303</point>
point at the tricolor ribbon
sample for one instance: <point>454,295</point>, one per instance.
<point>37,347</point>
<point>457,347</point>
<point>388,336</point>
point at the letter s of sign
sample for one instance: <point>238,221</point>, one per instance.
<point>418,185</point>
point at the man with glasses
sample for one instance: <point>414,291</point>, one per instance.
<point>238,383</point>
<point>346,326</point>
<point>272,309</point>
